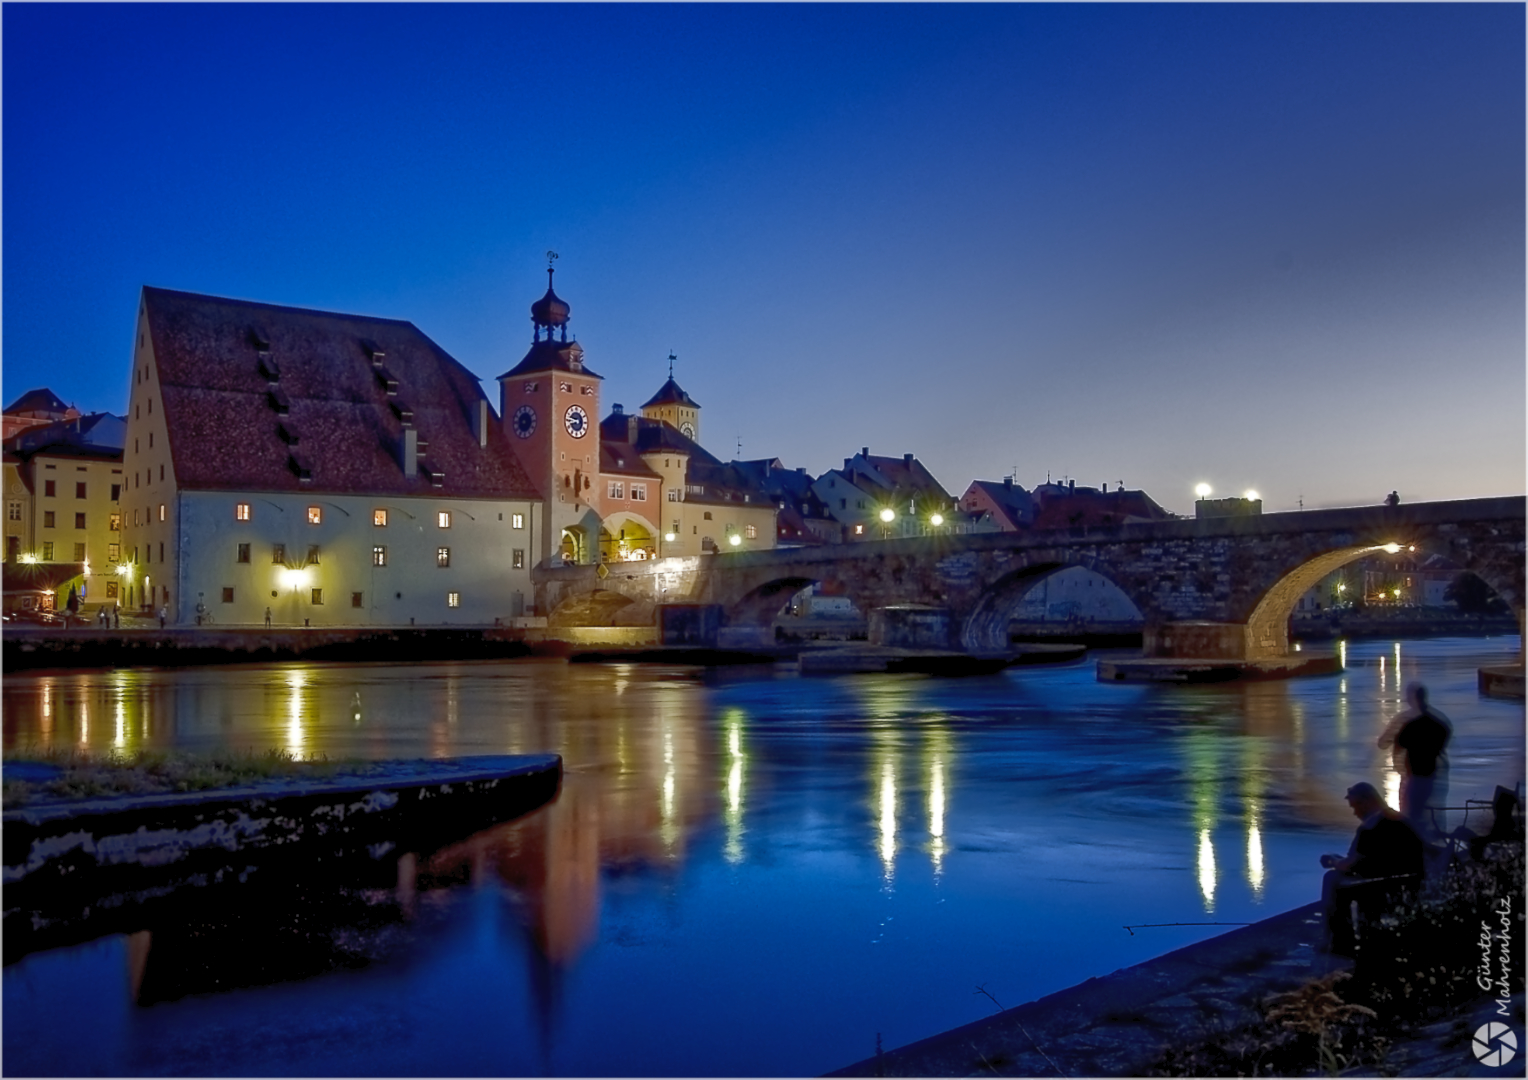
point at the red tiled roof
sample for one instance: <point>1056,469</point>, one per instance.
<point>224,430</point>
<point>39,402</point>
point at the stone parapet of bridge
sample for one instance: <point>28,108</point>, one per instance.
<point>1225,584</point>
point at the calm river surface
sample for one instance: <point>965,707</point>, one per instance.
<point>749,873</point>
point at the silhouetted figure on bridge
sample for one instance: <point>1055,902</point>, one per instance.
<point>1393,499</point>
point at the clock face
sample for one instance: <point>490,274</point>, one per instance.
<point>576,421</point>
<point>687,430</point>
<point>525,421</point>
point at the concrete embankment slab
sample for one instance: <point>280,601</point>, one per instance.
<point>76,868</point>
<point>1115,1025</point>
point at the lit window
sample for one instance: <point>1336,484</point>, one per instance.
<point>378,555</point>
<point>453,599</point>
<point>517,520</point>
<point>318,596</point>
<point>638,492</point>
<point>278,553</point>
<point>111,590</point>
<point>518,559</point>
<point>113,552</point>
<point>13,511</point>
<point>859,530</point>
<point>241,512</point>
<point>379,517</point>
<point>443,556</point>
<point>673,494</point>
<point>227,594</point>
<point>443,519</point>
<point>114,522</point>
<point>79,553</point>
<point>315,515</point>
<point>243,553</point>
<point>47,551</point>
<point>750,531</point>
<point>161,511</point>
<point>617,489</point>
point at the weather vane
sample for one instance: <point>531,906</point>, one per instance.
<point>551,257</point>
<point>672,358</point>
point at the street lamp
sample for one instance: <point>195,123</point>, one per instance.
<point>734,539</point>
<point>1202,490</point>
<point>937,520</point>
<point>1250,495</point>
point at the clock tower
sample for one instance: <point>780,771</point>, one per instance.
<point>549,404</point>
<point>672,405</point>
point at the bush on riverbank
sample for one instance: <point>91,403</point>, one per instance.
<point>82,774</point>
<point>1416,966</point>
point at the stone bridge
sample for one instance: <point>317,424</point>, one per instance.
<point>1215,587</point>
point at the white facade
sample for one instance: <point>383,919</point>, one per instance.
<point>354,560</point>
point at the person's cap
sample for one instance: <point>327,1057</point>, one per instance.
<point>1362,790</point>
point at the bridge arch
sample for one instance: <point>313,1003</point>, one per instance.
<point>985,628</point>
<point>759,606</point>
<point>1267,633</point>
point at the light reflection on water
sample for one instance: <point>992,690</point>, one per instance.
<point>743,855</point>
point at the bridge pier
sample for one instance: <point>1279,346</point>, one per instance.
<point>1215,652</point>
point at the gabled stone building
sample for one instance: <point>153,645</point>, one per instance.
<point>325,468</point>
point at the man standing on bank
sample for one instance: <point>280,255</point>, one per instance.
<point>1419,737</point>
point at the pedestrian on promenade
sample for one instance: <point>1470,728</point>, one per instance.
<point>267,618</point>
<point>164,614</point>
<point>116,616</point>
<point>1419,738</point>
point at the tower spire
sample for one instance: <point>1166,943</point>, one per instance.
<point>672,358</point>
<point>551,311</point>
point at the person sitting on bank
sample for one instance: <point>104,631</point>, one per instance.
<point>1385,847</point>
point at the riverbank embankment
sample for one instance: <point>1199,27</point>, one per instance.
<point>1120,1024</point>
<point>77,868</point>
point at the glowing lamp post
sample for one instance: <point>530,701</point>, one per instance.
<point>936,520</point>
<point>734,539</point>
<point>1203,490</point>
<point>888,515</point>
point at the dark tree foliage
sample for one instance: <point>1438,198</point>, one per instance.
<point>1474,596</point>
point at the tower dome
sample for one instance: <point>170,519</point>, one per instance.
<point>551,310</point>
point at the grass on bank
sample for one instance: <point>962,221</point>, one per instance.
<point>151,772</point>
<point>1420,967</point>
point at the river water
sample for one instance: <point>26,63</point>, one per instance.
<point>746,872</point>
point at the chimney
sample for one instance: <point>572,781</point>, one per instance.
<point>617,409</point>
<point>1008,483</point>
<point>864,451</point>
<point>907,459</point>
<point>410,452</point>
<point>480,422</point>
<point>1071,487</point>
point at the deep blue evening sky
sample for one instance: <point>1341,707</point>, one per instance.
<point>1278,246</point>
